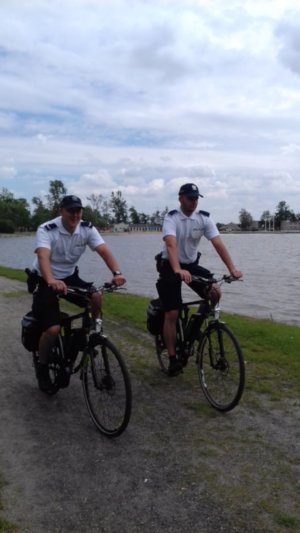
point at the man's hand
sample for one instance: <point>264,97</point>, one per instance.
<point>185,275</point>
<point>118,280</point>
<point>236,273</point>
<point>58,285</point>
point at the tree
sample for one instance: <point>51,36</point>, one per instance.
<point>57,191</point>
<point>14,212</point>
<point>119,207</point>
<point>134,216</point>
<point>144,218</point>
<point>246,219</point>
<point>265,217</point>
<point>96,202</point>
<point>40,213</point>
<point>283,212</point>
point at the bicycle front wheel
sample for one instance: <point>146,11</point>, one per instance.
<point>107,388</point>
<point>221,367</point>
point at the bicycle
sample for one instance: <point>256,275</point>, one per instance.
<point>105,379</point>
<point>218,356</point>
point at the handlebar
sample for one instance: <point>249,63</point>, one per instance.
<point>106,287</point>
<point>224,279</point>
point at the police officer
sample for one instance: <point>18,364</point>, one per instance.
<point>59,245</point>
<point>182,231</point>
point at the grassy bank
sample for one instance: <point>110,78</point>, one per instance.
<point>271,349</point>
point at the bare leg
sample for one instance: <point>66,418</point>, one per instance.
<point>96,304</point>
<point>169,331</point>
<point>215,294</point>
<point>169,334</point>
<point>46,343</point>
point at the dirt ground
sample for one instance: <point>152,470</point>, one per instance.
<point>180,466</point>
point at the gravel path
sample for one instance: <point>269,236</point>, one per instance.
<point>179,466</point>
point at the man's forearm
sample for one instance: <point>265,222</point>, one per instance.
<point>46,270</point>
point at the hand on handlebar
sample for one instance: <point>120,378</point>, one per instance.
<point>185,275</point>
<point>58,286</point>
<point>118,280</point>
<point>236,274</point>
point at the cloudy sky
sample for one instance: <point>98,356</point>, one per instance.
<point>141,96</point>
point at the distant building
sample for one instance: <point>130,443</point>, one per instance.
<point>122,226</point>
<point>226,228</point>
<point>145,227</point>
<point>288,225</point>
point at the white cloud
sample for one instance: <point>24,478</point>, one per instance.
<point>145,95</point>
<point>7,172</point>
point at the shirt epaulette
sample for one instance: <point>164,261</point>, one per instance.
<point>49,227</point>
<point>86,224</point>
<point>173,212</point>
<point>205,213</point>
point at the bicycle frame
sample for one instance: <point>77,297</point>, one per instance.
<point>188,325</point>
<point>86,320</point>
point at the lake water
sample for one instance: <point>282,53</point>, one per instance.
<point>269,262</point>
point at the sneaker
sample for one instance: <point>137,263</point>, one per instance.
<point>45,383</point>
<point>175,367</point>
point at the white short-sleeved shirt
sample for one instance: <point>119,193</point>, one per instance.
<point>66,248</point>
<point>188,232</point>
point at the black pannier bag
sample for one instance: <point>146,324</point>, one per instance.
<point>155,317</point>
<point>31,332</point>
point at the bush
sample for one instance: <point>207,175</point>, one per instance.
<point>6,226</point>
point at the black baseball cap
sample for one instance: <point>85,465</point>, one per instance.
<point>70,201</point>
<point>189,189</point>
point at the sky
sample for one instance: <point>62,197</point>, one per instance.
<point>143,96</point>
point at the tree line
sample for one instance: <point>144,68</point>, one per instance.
<point>15,213</point>
<point>282,212</point>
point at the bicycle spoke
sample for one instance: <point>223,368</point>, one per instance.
<point>107,389</point>
<point>221,368</point>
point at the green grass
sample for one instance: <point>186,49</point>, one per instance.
<point>271,350</point>
<point>13,273</point>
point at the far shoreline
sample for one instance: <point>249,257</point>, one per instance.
<point>146,232</point>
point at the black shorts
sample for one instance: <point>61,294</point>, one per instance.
<point>169,284</point>
<point>45,306</point>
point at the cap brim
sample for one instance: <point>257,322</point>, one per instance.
<point>72,206</point>
<point>192,195</point>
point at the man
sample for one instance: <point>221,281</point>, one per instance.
<point>59,245</point>
<point>182,232</point>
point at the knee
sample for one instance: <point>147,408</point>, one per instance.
<point>96,299</point>
<point>215,294</point>
<point>53,331</point>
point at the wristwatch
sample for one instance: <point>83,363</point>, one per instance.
<point>117,273</point>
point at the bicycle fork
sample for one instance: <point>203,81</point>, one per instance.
<point>216,350</point>
<point>101,374</point>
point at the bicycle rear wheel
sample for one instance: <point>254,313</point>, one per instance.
<point>107,388</point>
<point>221,367</point>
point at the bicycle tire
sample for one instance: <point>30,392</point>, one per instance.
<point>107,388</point>
<point>221,367</point>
